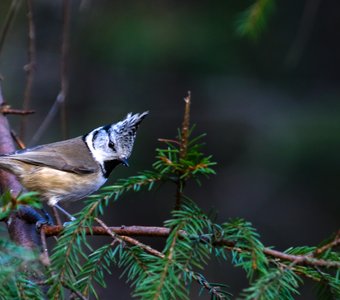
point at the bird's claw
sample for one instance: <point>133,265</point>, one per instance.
<point>39,224</point>
<point>65,224</point>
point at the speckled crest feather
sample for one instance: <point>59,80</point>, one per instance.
<point>125,131</point>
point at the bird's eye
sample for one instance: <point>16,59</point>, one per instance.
<point>112,146</point>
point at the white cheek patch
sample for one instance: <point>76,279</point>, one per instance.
<point>99,148</point>
<point>97,154</point>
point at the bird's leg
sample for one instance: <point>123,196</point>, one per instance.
<point>30,215</point>
<point>48,217</point>
<point>65,212</point>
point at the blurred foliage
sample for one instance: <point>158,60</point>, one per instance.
<point>20,270</point>
<point>254,20</point>
<point>9,204</point>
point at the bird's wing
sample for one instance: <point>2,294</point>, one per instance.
<point>69,156</point>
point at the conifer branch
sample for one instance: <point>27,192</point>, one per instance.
<point>168,257</point>
<point>334,243</point>
<point>59,276</point>
<point>163,232</point>
<point>99,261</point>
<point>160,231</point>
<point>73,290</point>
<point>185,127</point>
<point>183,148</point>
<point>304,260</point>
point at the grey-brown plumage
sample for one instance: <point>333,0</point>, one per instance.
<point>74,168</point>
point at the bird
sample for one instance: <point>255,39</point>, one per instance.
<point>72,169</point>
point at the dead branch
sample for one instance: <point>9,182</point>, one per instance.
<point>6,109</point>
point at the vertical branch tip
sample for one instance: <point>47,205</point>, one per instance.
<point>183,147</point>
<point>185,126</point>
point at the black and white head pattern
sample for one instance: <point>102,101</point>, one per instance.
<point>112,144</point>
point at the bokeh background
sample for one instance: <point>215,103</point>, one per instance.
<point>270,107</point>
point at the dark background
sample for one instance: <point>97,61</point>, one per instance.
<point>270,107</point>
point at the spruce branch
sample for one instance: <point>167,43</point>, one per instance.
<point>277,284</point>
<point>66,256</point>
<point>163,232</point>
<point>185,127</point>
<point>74,290</point>
<point>332,244</point>
<point>183,148</point>
<point>305,260</point>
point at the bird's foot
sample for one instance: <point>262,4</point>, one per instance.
<point>48,218</point>
<point>39,224</point>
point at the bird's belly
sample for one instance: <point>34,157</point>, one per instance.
<point>54,185</point>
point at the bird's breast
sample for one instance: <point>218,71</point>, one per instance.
<point>55,185</point>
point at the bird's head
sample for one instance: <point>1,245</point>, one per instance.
<point>112,144</point>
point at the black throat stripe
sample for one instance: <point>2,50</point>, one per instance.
<point>108,166</point>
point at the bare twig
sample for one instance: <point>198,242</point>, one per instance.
<point>46,122</point>
<point>44,257</point>
<point>152,231</point>
<point>122,230</point>
<point>145,247</point>
<point>169,141</point>
<point>56,216</point>
<point>60,101</point>
<point>127,239</point>
<point>15,4</point>
<point>64,65</point>
<point>106,228</point>
<point>7,110</point>
<point>30,67</point>
<point>17,140</point>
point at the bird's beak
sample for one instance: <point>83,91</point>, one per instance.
<point>125,162</point>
